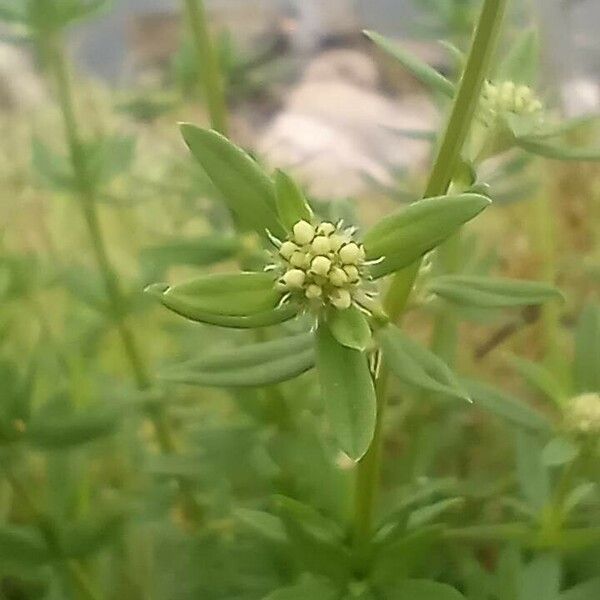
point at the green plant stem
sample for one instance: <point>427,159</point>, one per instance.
<point>51,43</point>
<point>72,568</point>
<point>208,64</point>
<point>447,159</point>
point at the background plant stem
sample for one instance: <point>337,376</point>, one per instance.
<point>207,61</point>
<point>447,159</point>
<point>52,45</point>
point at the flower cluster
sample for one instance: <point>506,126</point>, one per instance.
<point>507,97</point>
<point>321,265</point>
<point>582,414</point>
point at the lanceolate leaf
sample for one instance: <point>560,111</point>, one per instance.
<point>291,203</point>
<point>488,292</point>
<point>557,151</point>
<point>225,294</point>
<point>415,365</point>
<point>348,393</point>
<point>253,365</point>
<point>405,236</point>
<point>350,328</point>
<point>247,190</point>
<point>586,371</point>
<point>427,75</point>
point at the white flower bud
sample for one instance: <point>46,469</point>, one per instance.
<point>300,260</point>
<point>352,273</point>
<point>351,254</point>
<point>287,249</point>
<point>294,279</point>
<point>326,228</point>
<point>320,245</point>
<point>338,277</point>
<point>337,241</point>
<point>320,265</point>
<point>582,413</point>
<point>303,233</point>
<point>341,299</point>
<point>313,291</point>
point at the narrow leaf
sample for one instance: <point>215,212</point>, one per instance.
<point>403,237</point>
<point>263,523</point>
<point>415,365</point>
<point>348,393</point>
<point>247,190</point>
<point>486,292</point>
<point>22,546</point>
<point>559,451</point>
<point>520,64</point>
<point>291,203</point>
<point>249,366</point>
<point>350,328</point>
<point>586,370</point>
<point>422,589</point>
<point>557,151</point>
<point>427,75</point>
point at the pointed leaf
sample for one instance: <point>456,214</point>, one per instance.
<point>263,523</point>
<point>586,370</point>
<point>348,393</point>
<point>254,365</point>
<point>559,451</point>
<point>588,590</point>
<point>583,123</point>
<point>307,587</point>
<point>350,328</point>
<point>532,474</point>
<point>557,151</point>
<point>405,236</point>
<point>487,292</point>
<point>426,514</point>
<point>520,64</point>
<point>291,203</point>
<point>540,378</point>
<point>415,365</point>
<point>427,75</point>
<point>421,589</point>
<point>230,294</point>
<point>247,190</point>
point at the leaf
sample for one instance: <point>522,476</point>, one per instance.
<point>486,292</point>
<point>520,65</point>
<point>307,588</point>
<point>586,369</point>
<point>84,539</point>
<point>583,123</point>
<point>541,578</point>
<point>533,476</point>
<point>60,432</point>
<point>263,523</point>
<point>540,378</point>
<point>247,190</point>
<point>557,151</point>
<point>110,157</point>
<point>559,451</point>
<point>426,514</point>
<point>254,365</point>
<point>22,546</point>
<point>350,328</point>
<point>316,541</point>
<point>199,252</point>
<point>403,237</point>
<point>508,408</point>
<point>427,75</point>
<point>415,365</point>
<point>291,203</point>
<point>421,589</point>
<point>588,590</point>
<point>224,294</point>
<point>10,12</point>
<point>578,495</point>
<point>50,166</point>
<point>347,391</point>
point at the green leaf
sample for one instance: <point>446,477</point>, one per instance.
<point>506,407</point>
<point>307,588</point>
<point>254,365</point>
<point>403,237</point>
<point>55,433</point>
<point>11,12</point>
<point>532,474</point>
<point>110,157</point>
<point>584,123</point>
<point>263,523</point>
<point>22,546</point>
<point>347,391</point>
<point>588,590</point>
<point>486,292</point>
<point>520,65</point>
<point>84,539</point>
<point>291,203</point>
<point>426,514</point>
<point>586,370</point>
<point>427,75</point>
<point>540,378</point>
<point>557,151</point>
<point>559,451</point>
<point>52,168</point>
<point>421,589</point>
<point>247,190</point>
<point>415,365</point>
<point>578,495</point>
<point>542,578</point>
<point>226,294</point>
<point>349,327</point>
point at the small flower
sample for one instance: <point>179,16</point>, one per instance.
<point>582,414</point>
<point>322,265</point>
<point>498,99</point>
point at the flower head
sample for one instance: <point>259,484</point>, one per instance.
<point>321,265</point>
<point>498,99</point>
<point>582,414</point>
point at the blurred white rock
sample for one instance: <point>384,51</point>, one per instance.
<point>20,87</point>
<point>339,134</point>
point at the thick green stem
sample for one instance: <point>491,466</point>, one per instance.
<point>52,45</point>
<point>446,161</point>
<point>208,65</point>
